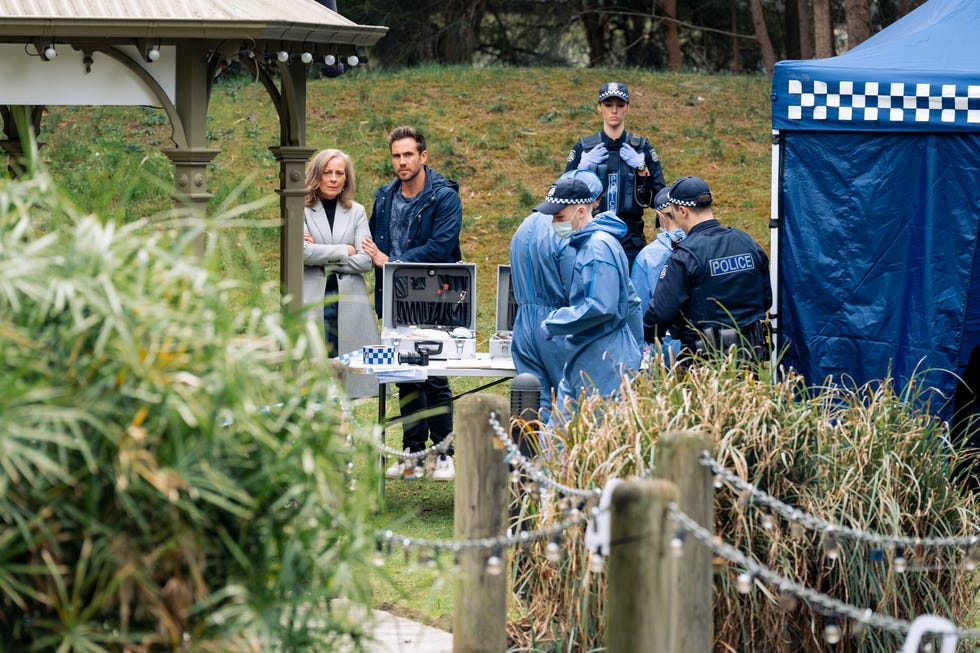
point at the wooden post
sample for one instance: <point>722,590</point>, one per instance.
<point>640,614</point>
<point>480,511</point>
<point>678,461</point>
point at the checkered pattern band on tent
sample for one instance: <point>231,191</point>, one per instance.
<point>862,103</point>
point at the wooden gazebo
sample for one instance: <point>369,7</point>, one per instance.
<point>166,53</point>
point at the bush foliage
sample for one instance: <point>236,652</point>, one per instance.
<point>174,472</point>
<point>864,458</point>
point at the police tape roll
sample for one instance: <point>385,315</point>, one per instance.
<point>378,355</point>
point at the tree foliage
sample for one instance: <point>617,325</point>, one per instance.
<point>710,36</point>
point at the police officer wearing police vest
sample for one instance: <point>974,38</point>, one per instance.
<point>714,289</point>
<point>626,163</point>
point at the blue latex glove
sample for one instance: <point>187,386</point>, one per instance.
<point>543,330</point>
<point>632,158</point>
<point>593,157</point>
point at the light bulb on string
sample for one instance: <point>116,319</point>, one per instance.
<point>972,560</point>
<point>353,60</point>
<point>859,627</point>
<point>744,583</point>
<point>330,60</point>
<point>597,563</point>
<point>50,53</point>
<point>796,530</point>
<point>552,551</point>
<point>677,545</point>
<point>282,56</point>
<point>534,494</point>
<point>306,57</point>
<point>153,54</point>
<point>900,563</point>
<point>494,565</point>
<point>830,547</point>
<point>832,631</point>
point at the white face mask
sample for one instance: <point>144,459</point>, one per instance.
<point>562,229</point>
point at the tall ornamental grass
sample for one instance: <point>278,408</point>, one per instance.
<point>865,458</point>
<point>173,465</point>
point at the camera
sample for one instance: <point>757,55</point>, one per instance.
<point>413,358</point>
<point>423,349</point>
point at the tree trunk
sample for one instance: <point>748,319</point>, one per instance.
<point>762,36</point>
<point>806,43</point>
<point>594,23</point>
<point>823,29</point>
<point>791,27</point>
<point>858,14</point>
<point>458,40</point>
<point>736,55</point>
<point>671,37</point>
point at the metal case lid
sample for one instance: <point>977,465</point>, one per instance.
<point>429,295</point>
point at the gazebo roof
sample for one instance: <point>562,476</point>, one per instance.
<point>162,52</point>
<point>305,21</point>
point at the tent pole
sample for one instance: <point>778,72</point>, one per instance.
<point>774,223</point>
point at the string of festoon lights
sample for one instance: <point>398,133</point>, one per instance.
<point>790,591</point>
<point>521,463</point>
<point>831,533</point>
<point>440,447</point>
<point>385,540</point>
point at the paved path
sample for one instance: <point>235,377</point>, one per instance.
<point>397,635</point>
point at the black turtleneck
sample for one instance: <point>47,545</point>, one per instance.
<point>330,206</point>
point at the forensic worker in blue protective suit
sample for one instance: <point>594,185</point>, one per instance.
<point>600,346</point>
<point>651,260</point>
<point>714,291</point>
<point>626,163</point>
<point>541,266</point>
<point>416,219</point>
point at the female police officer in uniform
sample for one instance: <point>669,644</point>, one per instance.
<point>626,163</point>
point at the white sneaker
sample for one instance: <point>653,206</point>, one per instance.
<point>445,469</point>
<point>397,468</point>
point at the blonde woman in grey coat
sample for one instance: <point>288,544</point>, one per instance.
<point>334,261</point>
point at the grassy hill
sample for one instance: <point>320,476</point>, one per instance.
<point>502,133</point>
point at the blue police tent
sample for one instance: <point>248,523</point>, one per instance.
<point>876,204</point>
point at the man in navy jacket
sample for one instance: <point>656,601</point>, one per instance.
<point>416,219</point>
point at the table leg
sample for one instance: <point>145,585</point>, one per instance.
<point>382,413</point>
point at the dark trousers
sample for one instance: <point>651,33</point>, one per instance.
<point>331,314</point>
<point>434,399</point>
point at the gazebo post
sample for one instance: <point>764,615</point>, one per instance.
<point>292,191</point>
<point>292,154</point>
<point>191,162</point>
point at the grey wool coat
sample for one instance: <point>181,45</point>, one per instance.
<point>357,322</point>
